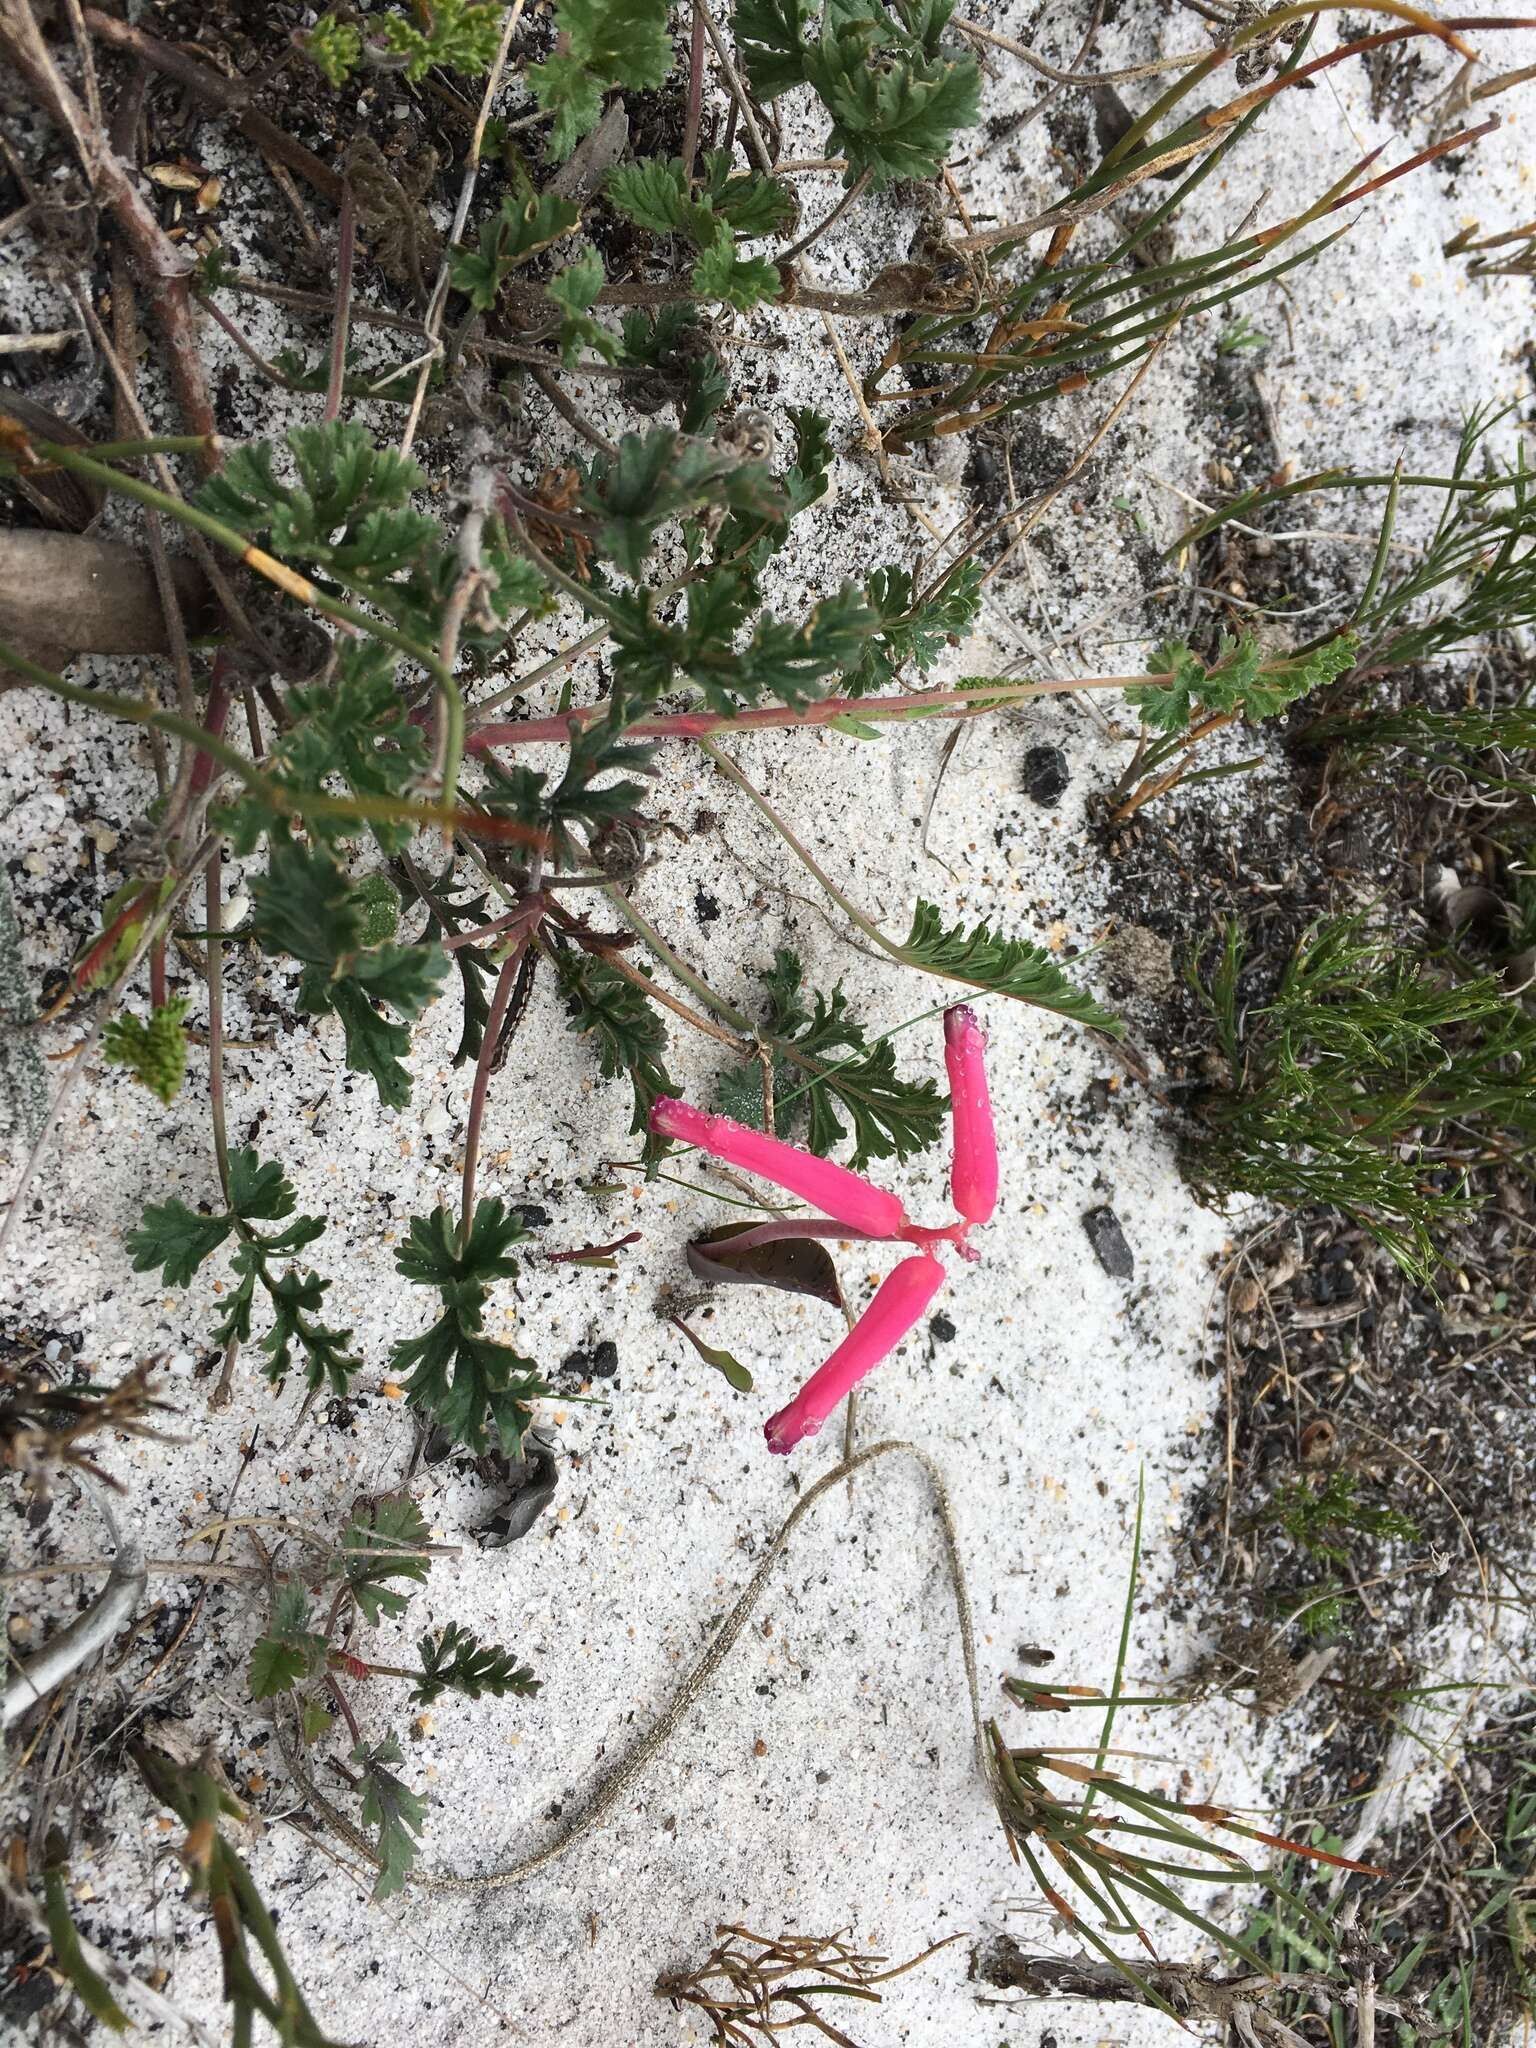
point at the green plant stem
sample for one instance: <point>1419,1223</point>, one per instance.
<point>1383,546</point>
<point>845,903</point>
<point>287,580</point>
<point>308,804</point>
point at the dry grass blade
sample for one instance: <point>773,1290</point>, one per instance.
<point>749,1996</point>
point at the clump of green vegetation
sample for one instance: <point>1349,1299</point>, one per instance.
<point>1320,1517</point>
<point>1343,1077</point>
<point>1199,698</point>
<point>462,35</point>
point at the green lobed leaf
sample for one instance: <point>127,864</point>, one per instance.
<point>891,1118</point>
<point>352,728</point>
<point>470,1385</point>
<point>279,1663</point>
<point>394,1809</point>
<point>364,1561</point>
<point>259,1191</point>
<point>912,630</point>
<point>455,1660</point>
<point>574,290</point>
<point>628,1034</point>
<point>1005,967</point>
<point>607,43</point>
<point>1240,681</point>
<point>738,281</point>
<point>176,1239</point>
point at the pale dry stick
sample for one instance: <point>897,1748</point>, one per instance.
<point>88,1634</point>
<point>156,1567</point>
<point>873,442</point>
<point>302,1534</point>
<point>829,220</point>
<point>1368,540</point>
<point>153,2007</point>
<point>346,249</point>
<point>1185,62</point>
<point>612,1788</point>
<point>552,667</point>
<point>82,1057</point>
<point>87,58</point>
<point>736,89</point>
<point>1009,131</point>
<point>460,216</point>
<point>37,344</point>
<point>1039,506</point>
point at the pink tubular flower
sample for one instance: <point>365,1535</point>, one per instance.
<point>899,1300</point>
<point>973,1176</point>
<point>846,1197</point>
<point>864,1211</point>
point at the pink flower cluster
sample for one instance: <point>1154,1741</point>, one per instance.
<point>855,1207</point>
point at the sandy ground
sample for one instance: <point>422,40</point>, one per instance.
<point>826,1781</point>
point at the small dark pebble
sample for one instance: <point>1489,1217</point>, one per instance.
<point>705,908</point>
<point>823,1777</point>
<point>1096,1097</point>
<point>1046,775</point>
<point>1108,1241</point>
<point>601,1362</point>
<point>531,1216</point>
<point>941,1329</point>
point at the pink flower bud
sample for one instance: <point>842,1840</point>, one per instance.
<point>973,1175</point>
<point>846,1197</point>
<point>899,1300</point>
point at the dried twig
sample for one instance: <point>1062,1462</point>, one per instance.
<point>748,1997</point>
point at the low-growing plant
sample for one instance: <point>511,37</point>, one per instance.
<point>304,1662</point>
<point>1343,1076</point>
<point>1193,699</point>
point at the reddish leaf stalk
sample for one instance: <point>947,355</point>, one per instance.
<point>692,725</point>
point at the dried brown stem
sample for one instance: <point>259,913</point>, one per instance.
<point>161,266</point>
<point>230,95</point>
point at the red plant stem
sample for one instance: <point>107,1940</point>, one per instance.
<point>214,908</point>
<point>159,988</point>
<point>135,912</point>
<point>345,248</point>
<point>693,725</point>
<point>592,1251</point>
<point>346,1711</point>
<point>695,92</point>
<point>215,718</point>
<point>1414,163</point>
<point>506,981</point>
